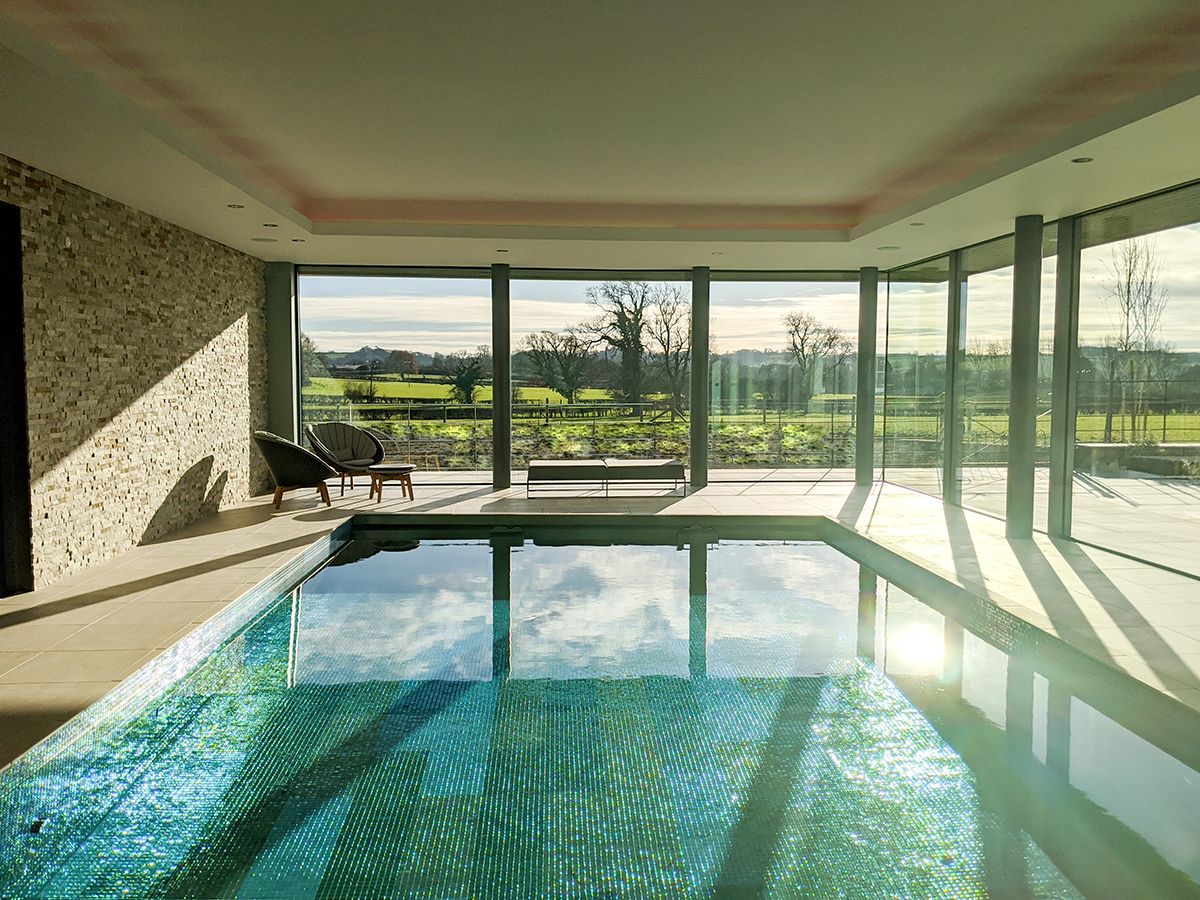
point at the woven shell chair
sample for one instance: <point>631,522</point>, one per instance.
<point>292,466</point>
<point>349,450</point>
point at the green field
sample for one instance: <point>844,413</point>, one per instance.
<point>435,432</point>
<point>467,444</point>
<point>390,388</point>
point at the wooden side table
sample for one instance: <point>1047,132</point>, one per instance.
<point>382,472</point>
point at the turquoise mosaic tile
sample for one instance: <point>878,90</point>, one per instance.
<point>240,778</point>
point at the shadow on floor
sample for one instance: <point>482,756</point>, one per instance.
<point>1155,652</point>
<point>1068,619</point>
<point>856,501</point>
<point>189,500</point>
<point>78,601</point>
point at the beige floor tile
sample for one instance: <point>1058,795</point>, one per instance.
<point>75,610</point>
<point>36,636</point>
<point>10,659</point>
<point>123,636</point>
<point>164,614</point>
<point>59,666</point>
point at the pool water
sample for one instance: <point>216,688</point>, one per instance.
<point>502,718</point>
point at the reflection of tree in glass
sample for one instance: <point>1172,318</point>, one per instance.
<point>986,365</point>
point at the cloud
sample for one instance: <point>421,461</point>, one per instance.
<point>448,314</point>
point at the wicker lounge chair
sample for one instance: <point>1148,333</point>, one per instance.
<point>349,450</point>
<point>292,467</point>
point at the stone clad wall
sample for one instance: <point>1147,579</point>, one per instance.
<point>146,372</point>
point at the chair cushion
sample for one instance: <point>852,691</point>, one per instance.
<point>357,463</point>
<point>392,468</point>
<point>567,470</point>
<point>644,469</point>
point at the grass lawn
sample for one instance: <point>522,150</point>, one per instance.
<point>1180,427</point>
<point>389,387</point>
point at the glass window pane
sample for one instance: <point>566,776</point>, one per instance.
<point>783,370</point>
<point>1137,455</point>
<point>600,369</point>
<point>407,358</point>
<point>1045,378</point>
<point>915,375</point>
<point>984,375</point>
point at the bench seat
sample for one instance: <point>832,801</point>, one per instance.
<point>602,471</point>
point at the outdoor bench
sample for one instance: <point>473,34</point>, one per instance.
<point>575,473</point>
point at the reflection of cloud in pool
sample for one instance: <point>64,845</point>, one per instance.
<point>594,612</point>
<point>383,637</point>
<point>780,610</point>
<point>392,616</point>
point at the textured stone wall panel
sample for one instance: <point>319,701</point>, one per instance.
<point>145,372</point>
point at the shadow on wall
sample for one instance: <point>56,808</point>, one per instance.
<point>190,500</point>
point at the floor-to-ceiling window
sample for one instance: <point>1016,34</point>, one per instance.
<point>1137,454</point>
<point>600,368</point>
<point>1045,378</point>
<point>921,417</point>
<point>782,376</point>
<point>405,357</point>
<point>984,374</point>
<point>914,364</point>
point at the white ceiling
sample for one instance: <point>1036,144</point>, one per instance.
<point>774,134</point>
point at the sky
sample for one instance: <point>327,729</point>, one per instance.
<point>448,314</point>
<point>443,315</point>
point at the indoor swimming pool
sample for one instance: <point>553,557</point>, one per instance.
<point>536,713</point>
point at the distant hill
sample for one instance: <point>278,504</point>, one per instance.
<point>360,357</point>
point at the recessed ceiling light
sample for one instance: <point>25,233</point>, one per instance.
<point>501,251</point>
<point>265,240</point>
<point>297,240</point>
<point>718,252</point>
<point>235,205</point>
<point>917,224</point>
<point>889,247</point>
<point>269,225</point>
<point>1082,159</point>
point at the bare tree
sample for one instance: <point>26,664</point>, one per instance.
<point>669,336</point>
<point>810,343</point>
<point>560,359</point>
<point>1137,301</point>
<point>1111,358</point>
<point>623,308</point>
